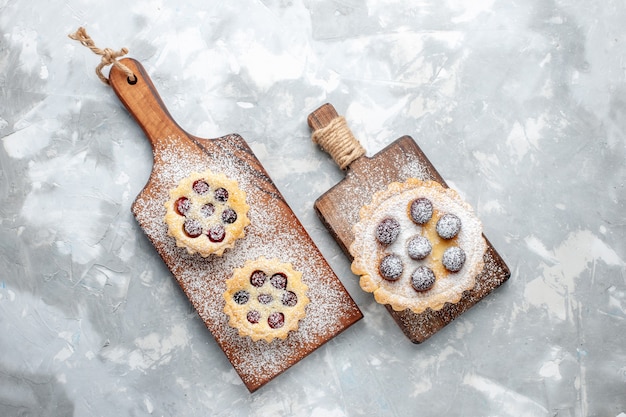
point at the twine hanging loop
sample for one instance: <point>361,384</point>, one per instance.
<point>109,56</point>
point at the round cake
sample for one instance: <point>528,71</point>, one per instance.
<point>265,299</point>
<point>417,245</point>
<point>206,213</point>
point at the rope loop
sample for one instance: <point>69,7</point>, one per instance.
<point>109,56</point>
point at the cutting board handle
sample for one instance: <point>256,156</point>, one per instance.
<point>332,133</point>
<point>142,100</point>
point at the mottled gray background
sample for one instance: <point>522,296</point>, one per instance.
<point>520,105</point>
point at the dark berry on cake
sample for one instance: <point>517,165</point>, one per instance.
<point>258,278</point>
<point>241,297</point>
<point>192,228</point>
<point>453,259</point>
<point>221,195</point>
<point>276,320</point>
<point>217,233</point>
<point>418,247</point>
<point>182,206</point>
<point>265,298</point>
<point>448,226</point>
<point>423,278</point>
<point>229,216</point>
<point>253,316</point>
<point>279,281</point>
<point>201,187</point>
<point>391,267</point>
<point>289,299</point>
<point>387,231</point>
<point>421,210</point>
<point>207,210</point>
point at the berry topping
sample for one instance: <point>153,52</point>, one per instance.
<point>276,320</point>
<point>391,267</point>
<point>253,316</point>
<point>221,195</point>
<point>217,233</point>
<point>421,210</point>
<point>265,298</point>
<point>418,247</point>
<point>201,187</point>
<point>279,281</point>
<point>182,205</point>
<point>387,231</point>
<point>207,210</point>
<point>192,228</point>
<point>448,226</point>
<point>289,299</point>
<point>241,297</point>
<point>258,278</point>
<point>229,216</point>
<point>423,279</point>
<point>453,259</point>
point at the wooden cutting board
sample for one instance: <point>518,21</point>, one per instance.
<point>274,232</point>
<point>339,207</point>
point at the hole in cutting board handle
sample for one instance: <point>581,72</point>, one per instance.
<point>132,80</point>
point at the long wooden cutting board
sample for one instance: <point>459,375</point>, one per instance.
<point>274,232</point>
<point>338,209</point>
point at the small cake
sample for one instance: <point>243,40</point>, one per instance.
<point>265,299</point>
<point>417,245</point>
<point>206,213</point>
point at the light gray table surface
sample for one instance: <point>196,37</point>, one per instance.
<point>521,106</point>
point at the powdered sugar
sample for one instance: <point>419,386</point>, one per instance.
<point>274,232</point>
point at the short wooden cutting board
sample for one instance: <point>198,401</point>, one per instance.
<point>338,209</point>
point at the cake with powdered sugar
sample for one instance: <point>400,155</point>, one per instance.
<point>417,245</point>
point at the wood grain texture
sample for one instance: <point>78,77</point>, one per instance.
<point>273,228</point>
<point>339,207</point>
